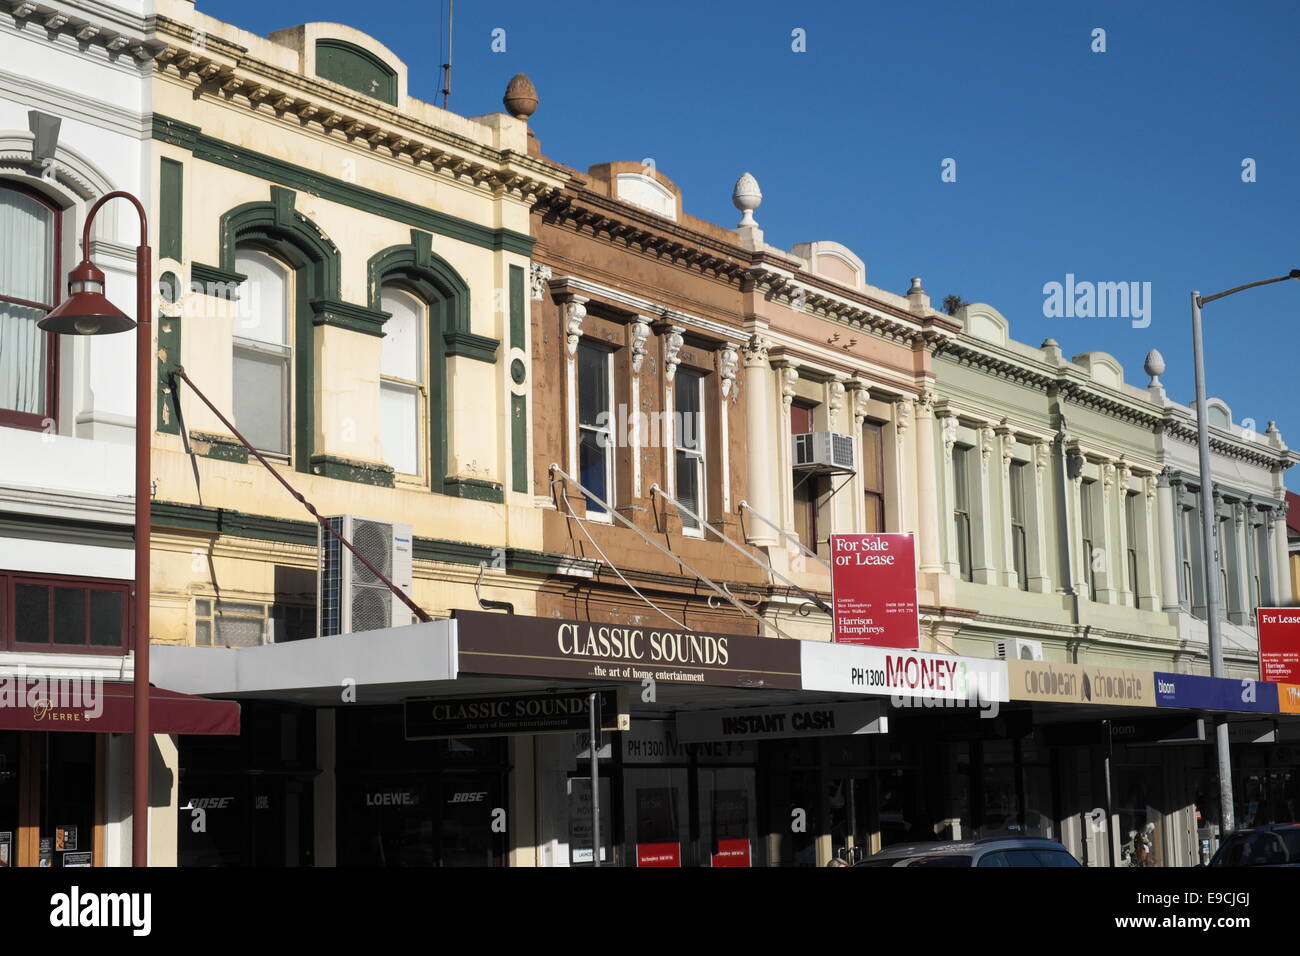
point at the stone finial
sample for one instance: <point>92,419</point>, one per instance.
<point>747,197</point>
<point>1052,350</point>
<point>917,298</point>
<point>1155,367</point>
<point>520,100</point>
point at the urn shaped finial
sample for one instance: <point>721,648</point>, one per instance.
<point>747,197</point>
<point>521,97</point>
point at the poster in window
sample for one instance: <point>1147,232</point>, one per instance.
<point>731,828</point>
<point>65,838</point>
<point>657,843</point>
<point>580,820</point>
<point>82,859</point>
<point>6,848</point>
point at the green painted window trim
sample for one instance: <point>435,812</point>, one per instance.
<point>253,163</point>
<point>345,315</point>
<point>223,521</point>
<point>481,348</point>
<point>350,65</point>
<point>169,358</point>
<point>278,227</point>
<point>475,489</point>
<point>519,443</point>
<point>171,208</point>
<point>211,280</point>
<point>365,473</point>
<point>516,307</point>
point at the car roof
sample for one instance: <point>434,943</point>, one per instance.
<point>943,847</point>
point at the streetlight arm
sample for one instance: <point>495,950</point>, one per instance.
<point>1293,274</point>
<point>90,219</point>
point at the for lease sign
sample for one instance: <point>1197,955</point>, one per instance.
<point>1279,644</point>
<point>873,590</point>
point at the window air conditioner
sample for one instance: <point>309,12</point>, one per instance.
<point>1019,649</point>
<point>351,598</point>
<point>823,451</point>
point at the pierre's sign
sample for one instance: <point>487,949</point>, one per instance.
<point>873,590</point>
<point>1075,684</point>
<point>521,646</point>
<point>435,718</point>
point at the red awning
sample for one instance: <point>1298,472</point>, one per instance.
<point>50,703</point>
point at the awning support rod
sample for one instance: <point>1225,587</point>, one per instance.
<point>765,565</point>
<point>179,372</point>
<point>785,534</point>
<point>762,624</point>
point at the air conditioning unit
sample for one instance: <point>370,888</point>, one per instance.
<point>823,451</point>
<point>1019,649</point>
<point>350,597</point>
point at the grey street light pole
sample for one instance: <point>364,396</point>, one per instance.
<point>1210,538</point>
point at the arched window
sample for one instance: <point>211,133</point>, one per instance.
<point>29,282</point>
<point>403,392</point>
<point>263,351</point>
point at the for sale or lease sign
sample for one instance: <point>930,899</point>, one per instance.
<point>1279,644</point>
<point>873,590</point>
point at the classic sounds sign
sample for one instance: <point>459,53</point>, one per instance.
<point>522,646</point>
<point>1279,644</point>
<point>873,590</point>
<point>435,718</point>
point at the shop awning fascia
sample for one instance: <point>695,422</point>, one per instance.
<point>82,705</point>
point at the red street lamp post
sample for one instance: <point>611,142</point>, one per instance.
<point>87,312</point>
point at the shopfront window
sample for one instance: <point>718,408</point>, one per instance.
<point>728,818</point>
<point>8,799</point>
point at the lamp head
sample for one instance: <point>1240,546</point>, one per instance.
<point>86,311</point>
<point>1295,273</point>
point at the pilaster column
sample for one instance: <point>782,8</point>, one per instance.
<point>728,365</point>
<point>983,562</point>
<point>760,433</point>
<point>1037,534</point>
<point>1105,575</point>
<point>948,526</point>
<point>1074,521</point>
<point>787,375</point>
<point>1124,588</point>
<point>927,492</point>
<point>573,311</point>
<point>1282,588</point>
<point>1170,572</point>
<point>858,396</point>
<point>1007,447</point>
<point>1240,527</point>
<point>1153,561</point>
<point>638,334</point>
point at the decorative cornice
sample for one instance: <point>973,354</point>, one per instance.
<point>481,348</point>
<point>223,69</point>
<point>636,306</point>
<point>88,23</point>
<point>213,150</point>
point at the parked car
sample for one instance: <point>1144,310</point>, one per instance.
<point>1276,845</point>
<point>998,851</point>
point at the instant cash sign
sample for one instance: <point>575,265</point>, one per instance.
<point>873,590</point>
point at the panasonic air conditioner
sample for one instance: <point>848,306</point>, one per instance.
<point>350,596</point>
<point>1019,649</point>
<point>823,451</point>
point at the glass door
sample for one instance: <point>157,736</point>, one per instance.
<point>67,836</point>
<point>852,831</point>
<point>472,825</point>
<point>8,799</point>
<point>728,820</point>
<point>656,815</point>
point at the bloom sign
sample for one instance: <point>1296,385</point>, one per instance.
<point>873,589</point>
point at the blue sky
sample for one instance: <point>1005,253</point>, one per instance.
<point>1117,166</point>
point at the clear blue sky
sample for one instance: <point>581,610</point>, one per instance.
<point>1116,166</point>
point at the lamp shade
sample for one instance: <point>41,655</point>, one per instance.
<point>86,311</point>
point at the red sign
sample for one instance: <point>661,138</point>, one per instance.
<point>1279,644</point>
<point>732,853</point>
<point>658,854</point>
<point>873,588</point>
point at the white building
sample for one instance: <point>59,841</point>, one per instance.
<point>73,126</point>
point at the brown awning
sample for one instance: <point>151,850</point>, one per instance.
<point>34,703</point>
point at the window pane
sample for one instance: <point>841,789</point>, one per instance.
<point>873,445</point>
<point>106,617</point>
<point>688,486</point>
<point>686,399</point>
<point>262,309</point>
<point>593,469</point>
<point>593,384</point>
<point>399,425</point>
<point>26,246</point>
<point>875,513</point>
<point>260,397</point>
<point>22,359</point>
<point>69,616</point>
<point>403,349</point>
<point>32,613</point>
<point>959,473</point>
<point>801,419</point>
